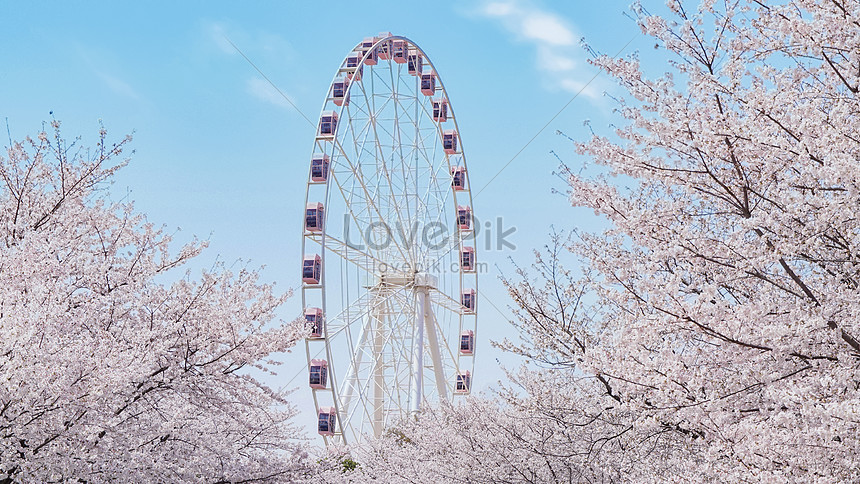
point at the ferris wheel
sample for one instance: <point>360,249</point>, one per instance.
<point>389,270</point>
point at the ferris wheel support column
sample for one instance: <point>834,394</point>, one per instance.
<point>351,383</point>
<point>378,377</point>
<point>433,342</point>
<point>418,352</point>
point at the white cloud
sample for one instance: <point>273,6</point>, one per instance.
<point>262,49</point>
<point>498,9</point>
<point>576,86</point>
<point>258,44</point>
<point>262,90</point>
<point>546,28</point>
<point>118,86</point>
<point>557,53</point>
<point>102,64</point>
<point>552,61</point>
<point>218,34</point>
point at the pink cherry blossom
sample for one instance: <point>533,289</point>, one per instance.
<point>108,374</point>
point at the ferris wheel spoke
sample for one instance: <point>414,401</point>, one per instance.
<point>445,301</point>
<point>401,119</point>
<point>352,255</point>
<point>387,86</point>
<point>342,321</point>
<point>355,217</point>
<point>398,141</point>
<point>373,125</point>
<point>369,199</point>
<point>394,172</point>
<point>424,202</point>
<point>382,166</point>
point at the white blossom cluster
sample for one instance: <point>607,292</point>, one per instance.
<point>107,375</point>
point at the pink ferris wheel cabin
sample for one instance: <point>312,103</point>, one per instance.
<point>314,216</point>
<point>352,61</point>
<point>468,300</point>
<point>467,342</point>
<point>328,124</point>
<point>440,110</point>
<point>467,259</point>
<point>415,62</point>
<point>367,46</point>
<point>383,51</point>
<point>399,51</point>
<point>318,374</point>
<point>464,382</point>
<point>338,91</point>
<point>311,269</point>
<point>458,178</point>
<point>352,67</point>
<point>449,141</point>
<point>428,83</point>
<point>319,168</point>
<point>464,217</point>
<point>327,420</point>
<point>313,320</point>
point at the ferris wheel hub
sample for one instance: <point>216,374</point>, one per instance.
<point>417,280</point>
<point>424,280</point>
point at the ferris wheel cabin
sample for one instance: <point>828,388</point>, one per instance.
<point>428,83</point>
<point>458,178</point>
<point>311,269</point>
<point>383,51</point>
<point>440,110</point>
<point>352,61</point>
<point>468,299</point>
<point>327,420</point>
<point>467,342</point>
<point>367,46</point>
<point>449,141</point>
<point>464,382</point>
<point>328,124</point>
<point>415,62</point>
<point>353,67</point>
<point>467,259</point>
<point>314,215</point>
<point>464,217</point>
<point>319,168</point>
<point>338,91</point>
<point>314,322</point>
<point>318,374</point>
<point>399,51</point>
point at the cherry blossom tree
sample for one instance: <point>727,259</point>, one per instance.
<point>107,372</point>
<point>727,297</point>
<point>712,335</point>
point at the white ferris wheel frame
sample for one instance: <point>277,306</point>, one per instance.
<point>429,299</point>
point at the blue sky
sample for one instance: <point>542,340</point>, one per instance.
<point>221,155</point>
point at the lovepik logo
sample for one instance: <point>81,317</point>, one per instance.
<point>434,235</point>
